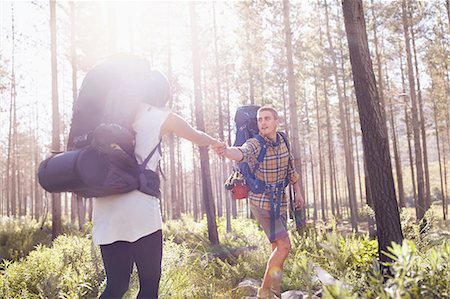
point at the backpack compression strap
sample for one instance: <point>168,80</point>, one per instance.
<point>144,163</point>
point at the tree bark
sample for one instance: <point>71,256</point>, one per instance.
<point>415,120</point>
<point>319,145</point>
<point>346,132</point>
<point>408,138</point>
<point>56,197</point>
<point>374,131</point>
<point>421,117</point>
<point>73,62</point>
<point>436,128</point>
<point>204,157</point>
<point>293,112</point>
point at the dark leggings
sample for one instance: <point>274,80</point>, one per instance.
<point>118,259</point>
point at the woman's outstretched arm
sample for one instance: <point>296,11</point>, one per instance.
<point>180,127</point>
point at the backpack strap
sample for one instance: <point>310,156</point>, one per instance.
<point>286,141</point>
<point>144,163</point>
<point>262,152</point>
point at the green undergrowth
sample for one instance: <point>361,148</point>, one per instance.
<point>20,236</point>
<point>192,268</point>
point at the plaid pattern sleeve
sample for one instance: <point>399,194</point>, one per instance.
<point>293,174</point>
<point>272,170</point>
<point>250,151</point>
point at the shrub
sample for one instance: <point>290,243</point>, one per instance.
<point>69,269</point>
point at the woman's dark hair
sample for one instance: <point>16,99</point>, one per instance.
<point>137,81</point>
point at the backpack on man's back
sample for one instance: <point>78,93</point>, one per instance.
<point>100,159</point>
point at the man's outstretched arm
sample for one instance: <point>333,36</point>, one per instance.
<point>232,153</point>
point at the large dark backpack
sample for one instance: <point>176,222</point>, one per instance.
<point>100,159</point>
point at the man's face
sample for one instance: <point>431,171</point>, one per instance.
<point>267,124</point>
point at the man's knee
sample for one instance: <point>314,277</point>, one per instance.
<point>284,246</point>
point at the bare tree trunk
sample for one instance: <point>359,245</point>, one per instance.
<point>336,190</point>
<point>378,58</point>
<point>195,194</point>
<point>369,200</point>
<point>56,197</point>
<point>421,117</point>
<point>311,160</point>
<point>408,138</point>
<point>73,61</point>
<point>319,144</point>
<point>221,125</point>
<point>398,162</point>
<point>293,111</point>
<point>81,211</point>
<point>436,129</point>
<point>181,198</point>
<point>397,156</point>
<point>358,166</point>
<point>330,155</point>
<point>346,132</point>
<point>229,164</point>
<point>375,140</point>
<point>415,120</point>
<point>204,157</point>
<point>174,199</point>
<point>10,161</point>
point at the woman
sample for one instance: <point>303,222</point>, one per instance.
<point>128,226</point>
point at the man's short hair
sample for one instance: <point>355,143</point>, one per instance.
<point>269,108</point>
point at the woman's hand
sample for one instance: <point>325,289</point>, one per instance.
<point>220,147</point>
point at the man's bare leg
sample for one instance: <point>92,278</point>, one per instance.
<point>274,268</point>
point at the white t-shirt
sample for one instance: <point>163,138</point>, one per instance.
<point>133,215</point>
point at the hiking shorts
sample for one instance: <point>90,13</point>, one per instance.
<point>263,218</point>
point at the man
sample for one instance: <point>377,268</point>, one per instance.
<point>277,164</point>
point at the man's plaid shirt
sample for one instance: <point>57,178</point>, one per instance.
<point>272,169</point>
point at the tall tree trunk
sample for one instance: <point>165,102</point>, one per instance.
<point>319,145</point>
<point>397,156</point>
<point>306,136</point>
<point>369,200</point>
<point>174,199</point>
<point>346,131</point>
<point>81,211</point>
<point>375,140</point>
<point>378,58</point>
<point>415,120</point>
<point>73,62</point>
<point>56,197</point>
<point>330,140</point>
<point>408,138</point>
<point>336,190</point>
<point>204,157</point>
<point>10,160</point>
<point>223,165</point>
<point>358,166</point>
<point>179,183</point>
<point>230,164</point>
<point>294,124</point>
<point>436,129</point>
<point>398,162</point>
<point>421,116</point>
